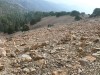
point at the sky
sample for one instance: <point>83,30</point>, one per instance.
<point>82,5</point>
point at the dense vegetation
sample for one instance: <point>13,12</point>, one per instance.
<point>95,13</point>
<point>75,13</point>
<point>17,21</point>
<point>13,22</point>
<point>10,23</point>
<point>15,18</point>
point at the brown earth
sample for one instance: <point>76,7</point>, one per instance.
<point>66,49</point>
<point>53,20</point>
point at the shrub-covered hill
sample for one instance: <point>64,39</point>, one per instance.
<point>6,7</point>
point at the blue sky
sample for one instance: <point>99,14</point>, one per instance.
<point>82,5</point>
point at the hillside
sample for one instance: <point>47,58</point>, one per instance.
<point>16,14</point>
<point>53,20</point>
<point>35,5</point>
<point>65,49</point>
<point>55,45</point>
<point>7,8</point>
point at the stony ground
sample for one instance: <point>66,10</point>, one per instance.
<point>69,49</point>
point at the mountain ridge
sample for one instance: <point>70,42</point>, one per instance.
<point>35,5</point>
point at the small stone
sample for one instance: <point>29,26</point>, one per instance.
<point>73,43</point>
<point>78,44</point>
<point>1,67</point>
<point>26,70</point>
<point>34,47</point>
<point>83,38</point>
<point>76,66</point>
<point>38,57</point>
<point>80,70</point>
<point>60,48</point>
<point>3,52</point>
<point>26,57</point>
<point>74,37</point>
<point>15,65</point>
<point>88,43</point>
<point>53,51</point>
<point>96,54</point>
<point>80,50</point>
<point>47,42</point>
<point>32,69</point>
<point>89,58</point>
<point>18,49</point>
<point>26,49</point>
<point>2,43</point>
<point>42,45</point>
<point>83,62</point>
<point>41,63</point>
<point>94,50</point>
<point>96,41</point>
<point>9,39</point>
<point>12,55</point>
<point>59,72</point>
<point>15,71</point>
<point>23,44</point>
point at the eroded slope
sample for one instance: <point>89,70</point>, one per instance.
<point>72,49</point>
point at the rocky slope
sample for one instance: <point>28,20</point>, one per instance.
<point>69,49</point>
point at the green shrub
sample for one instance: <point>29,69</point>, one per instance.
<point>25,28</point>
<point>62,13</point>
<point>77,18</point>
<point>35,20</point>
<point>58,14</point>
<point>10,30</point>
<point>75,13</point>
<point>96,12</point>
<point>50,25</point>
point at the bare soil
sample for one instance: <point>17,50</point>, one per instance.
<point>71,48</point>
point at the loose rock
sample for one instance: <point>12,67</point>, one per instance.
<point>26,70</point>
<point>59,72</point>
<point>26,58</point>
<point>89,58</point>
<point>1,66</point>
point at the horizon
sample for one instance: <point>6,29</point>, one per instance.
<point>82,6</point>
